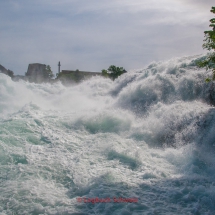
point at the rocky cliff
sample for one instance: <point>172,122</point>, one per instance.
<point>6,71</point>
<point>36,73</point>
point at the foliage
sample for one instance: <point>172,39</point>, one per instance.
<point>70,77</point>
<point>113,72</point>
<point>75,75</point>
<point>209,62</point>
<point>48,72</point>
<point>104,73</point>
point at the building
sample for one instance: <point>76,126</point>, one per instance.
<point>75,76</point>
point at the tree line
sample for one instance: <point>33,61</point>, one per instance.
<point>209,44</point>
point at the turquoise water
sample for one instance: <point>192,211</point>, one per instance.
<point>149,136</point>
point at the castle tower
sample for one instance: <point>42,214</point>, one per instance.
<point>59,67</point>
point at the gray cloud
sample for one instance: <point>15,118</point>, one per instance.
<point>199,3</point>
<point>93,35</point>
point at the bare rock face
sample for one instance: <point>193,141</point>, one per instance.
<point>6,71</point>
<point>35,72</point>
<point>35,69</point>
<point>3,70</point>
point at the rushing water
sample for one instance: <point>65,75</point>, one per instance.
<point>149,135</point>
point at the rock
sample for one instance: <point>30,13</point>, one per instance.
<point>6,71</point>
<point>35,72</point>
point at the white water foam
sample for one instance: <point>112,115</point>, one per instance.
<point>148,135</point>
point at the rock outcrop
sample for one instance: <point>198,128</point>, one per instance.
<point>6,71</point>
<point>39,73</point>
<point>35,73</point>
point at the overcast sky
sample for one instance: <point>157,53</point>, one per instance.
<point>91,35</point>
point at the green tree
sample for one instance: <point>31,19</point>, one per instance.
<point>105,73</point>
<point>113,72</point>
<point>48,72</point>
<point>209,62</point>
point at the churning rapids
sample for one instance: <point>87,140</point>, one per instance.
<point>148,135</point>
